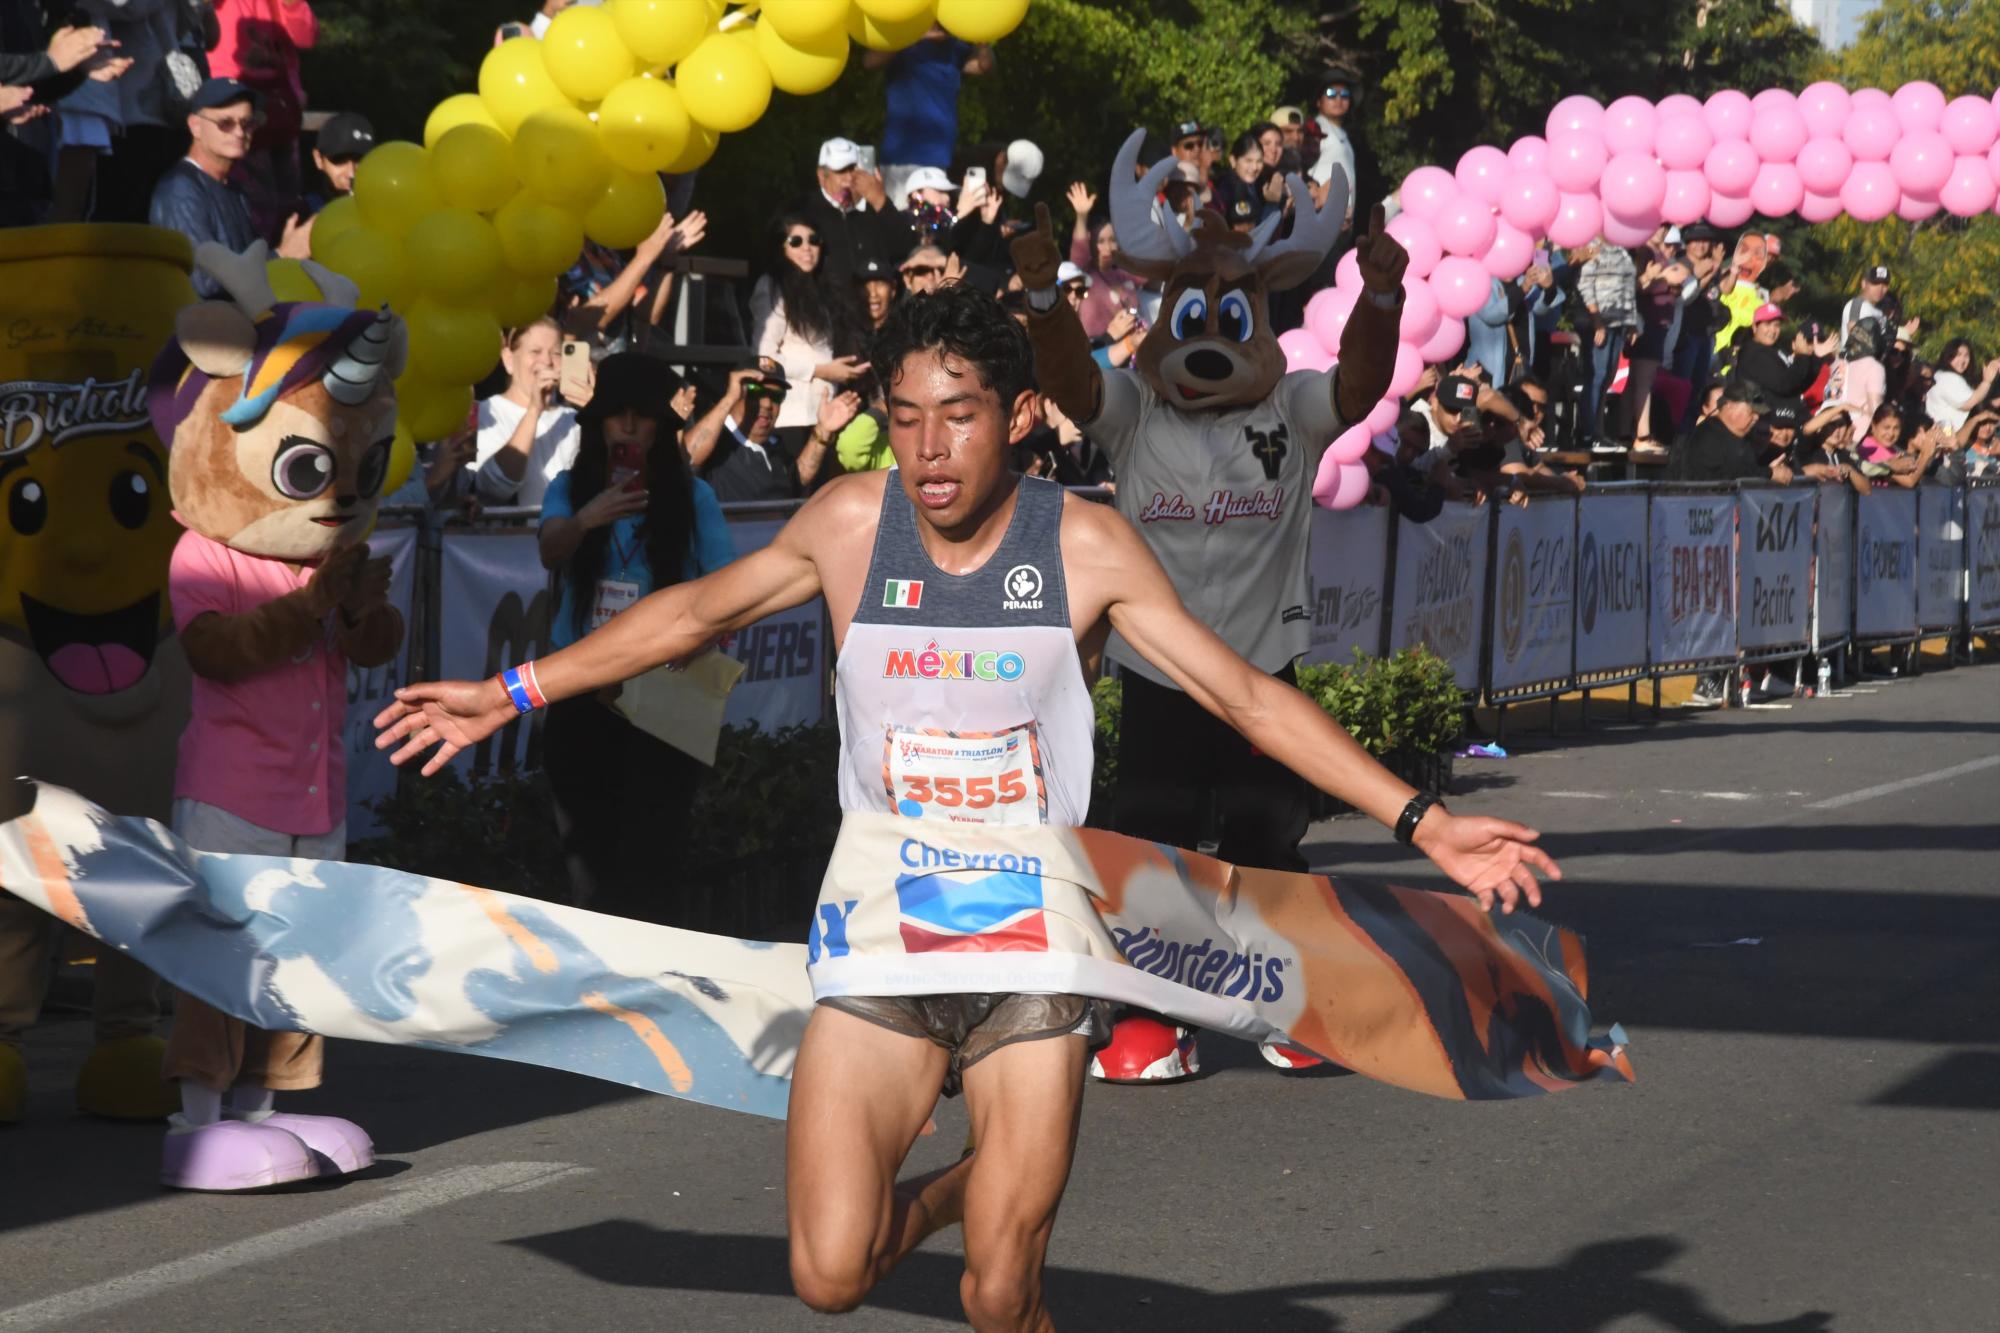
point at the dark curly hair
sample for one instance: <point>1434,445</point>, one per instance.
<point>965,322</point>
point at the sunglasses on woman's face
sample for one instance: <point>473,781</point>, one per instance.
<point>798,239</point>
<point>923,270</point>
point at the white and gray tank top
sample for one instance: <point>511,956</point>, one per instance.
<point>962,697</point>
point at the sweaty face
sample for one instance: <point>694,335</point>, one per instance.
<point>950,434</point>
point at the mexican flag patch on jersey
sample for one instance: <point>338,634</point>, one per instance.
<point>906,593</point>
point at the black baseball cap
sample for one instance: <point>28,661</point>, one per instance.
<point>1700,231</point>
<point>1458,393</point>
<point>1879,273</point>
<point>219,92</point>
<point>345,136</point>
<point>1189,129</point>
<point>1740,390</point>
<point>1787,413</point>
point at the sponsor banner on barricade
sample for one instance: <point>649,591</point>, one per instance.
<point>1534,594</point>
<point>1775,566</point>
<point>1349,568</point>
<point>494,608</point>
<point>1693,566</point>
<point>1833,567</point>
<point>370,775</point>
<point>1940,556</point>
<point>1885,563</point>
<point>1611,584</point>
<point>1982,535</point>
<point>784,656</point>
<point>1441,587</point>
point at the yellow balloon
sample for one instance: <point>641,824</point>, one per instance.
<point>893,11</point>
<point>374,261</point>
<point>628,210</point>
<point>455,344</point>
<point>289,281</point>
<point>394,187</point>
<point>660,32</point>
<point>981,20</point>
<point>800,22</point>
<point>515,84</point>
<point>560,158</point>
<point>458,109</point>
<point>804,65</point>
<point>474,168</point>
<point>890,34</point>
<point>724,83</point>
<point>700,147</point>
<point>402,460</point>
<point>584,53</point>
<point>431,410</point>
<point>340,215</point>
<point>454,254</point>
<point>642,124</point>
<point>539,239</point>
<point>516,301</point>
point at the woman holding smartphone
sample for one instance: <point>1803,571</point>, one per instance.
<point>527,433</point>
<point>628,518</point>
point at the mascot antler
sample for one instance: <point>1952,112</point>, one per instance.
<point>1152,242</point>
<point>242,276</point>
<point>1292,260</point>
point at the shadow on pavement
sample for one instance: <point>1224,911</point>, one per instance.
<point>1960,1081</point>
<point>1594,1288</point>
<point>1664,840</point>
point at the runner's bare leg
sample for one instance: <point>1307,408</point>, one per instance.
<point>860,1096</point>
<point>1025,1100</point>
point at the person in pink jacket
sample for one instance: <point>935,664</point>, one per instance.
<point>259,47</point>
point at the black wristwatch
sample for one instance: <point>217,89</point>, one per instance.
<point>1413,815</point>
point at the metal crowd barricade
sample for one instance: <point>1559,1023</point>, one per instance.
<point>1692,574</point>
<point>1775,554</point>
<point>1982,556</point>
<point>1613,596</point>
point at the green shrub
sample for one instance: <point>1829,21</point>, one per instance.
<point>1407,703</point>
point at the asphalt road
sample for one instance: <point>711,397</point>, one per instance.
<point>1803,951</point>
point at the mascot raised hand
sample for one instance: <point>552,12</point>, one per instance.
<point>1214,447</point>
<point>278,419</point>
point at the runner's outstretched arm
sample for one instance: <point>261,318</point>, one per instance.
<point>1492,858</point>
<point>661,627</point>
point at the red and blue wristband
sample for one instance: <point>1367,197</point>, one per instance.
<point>522,688</point>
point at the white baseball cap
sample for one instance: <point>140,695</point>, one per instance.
<point>928,178</point>
<point>1024,166</point>
<point>1066,273</point>
<point>839,154</point>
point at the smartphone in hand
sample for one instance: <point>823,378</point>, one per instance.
<point>578,377</point>
<point>628,466</point>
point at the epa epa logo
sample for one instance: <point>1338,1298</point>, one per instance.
<point>1023,587</point>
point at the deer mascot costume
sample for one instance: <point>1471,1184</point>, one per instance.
<point>1215,448</point>
<point>278,418</point>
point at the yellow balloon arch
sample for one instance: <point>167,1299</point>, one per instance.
<point>467,232</point>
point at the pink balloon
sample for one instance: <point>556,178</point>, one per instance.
<point>1351,445</point>
<point>1409,366</point>
<point>1510,254</point>
<point>1874,97</point>
<point>1531,200</point>
<point>1326,318</point>
<point>1687,198</point>
<point>1342,485</point>
<point>1683,141</point>
<point>1970,190</point>
<point>1464,226</point>
<point>1445,344</point>
<point>1630,233</point>
<point>1678,104</point>
<point>1819,207</point>
<point>1777,191</point>
<point>1779,130</point>
<point>1629,125</point>
<point>1301,349</point>
<point>1823,165</point>
<point>1993,162</point>
<point>1917,208</point>
<point>1824,106</point>
<point>1870,193</point>
<point>1383,415</point>
<point>1420,311</point>
<point>1460,285</point>
<point>1731,167</point>
<point>1530,152</point>
<point>1871,133</point>
<point>1426,190</point>
<point>1969,125</point>
<point>1347,273</point>
<point>1633,185</point>
<point>1419,240</point>
<point>1918,105</point>
<point>1577,221</point>
<point>1728,115</point>
<point>1482,173</point>
<point>1922,161</point>
<point>1729,210</point>
<point>1576,160</point>
<point>1573,114</point>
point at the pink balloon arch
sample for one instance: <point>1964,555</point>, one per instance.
<point>1619,171</point>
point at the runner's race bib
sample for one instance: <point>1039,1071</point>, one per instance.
<point>969,777</point>
<point>613,596</point>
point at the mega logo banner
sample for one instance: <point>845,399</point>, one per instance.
<point>1982,535</point>
<point>1833,567</point>
<point>1611,585</point>
<point>1441,587</point>
<point>1885,563</point>
<point>370,775</point>
<point>1693,617</point>
<point>1940,556</point>
<point>1349,568</point>
<point>1534,594</point>
<point>1420,989</point>
<point>1776,569</point>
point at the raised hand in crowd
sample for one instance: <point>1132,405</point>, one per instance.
<point>611,504</point>
<point>656,244</point>
<point>1122,322</point>
<point>970,196</point>
<point>954,270</point>
<point>841,370</point>
<point>689,231</point>
<point>70,47</point>
<point>1081,201</point>
<point>869,189</point>
<point>683,401</point>
<point>989,206</point>
<point>837,411</point>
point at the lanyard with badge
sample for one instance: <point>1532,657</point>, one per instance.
<point>616,595</point>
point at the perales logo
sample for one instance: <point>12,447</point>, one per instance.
<point>1024,589</point>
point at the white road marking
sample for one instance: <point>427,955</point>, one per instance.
<point>1888,788</point>
<point>1581,795</point>
<point>435,1191</point>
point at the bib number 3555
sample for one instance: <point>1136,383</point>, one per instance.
<point>966,778</point>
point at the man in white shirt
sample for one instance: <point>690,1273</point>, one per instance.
<point>1874,300</point>
<point>1336,100</point>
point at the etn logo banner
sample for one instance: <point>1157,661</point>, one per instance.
<point>1693,617</point>
<point>1441,587</point>
<point>1348,567</point>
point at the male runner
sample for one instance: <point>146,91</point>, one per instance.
<point>1015,574</point>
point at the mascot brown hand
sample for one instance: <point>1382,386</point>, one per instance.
<point>279,419</point>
